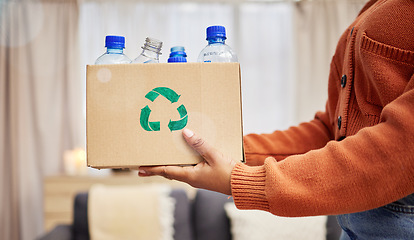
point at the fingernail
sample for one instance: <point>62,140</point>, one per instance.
<point>188,133</point>
<point>142,171</point>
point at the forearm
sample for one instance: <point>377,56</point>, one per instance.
<point>281,144</point>
<point>364,171</point>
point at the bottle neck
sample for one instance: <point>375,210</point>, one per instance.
<point>152,48</point>
<point>115,50</point>
<point>216,40</point>
<point>149,53</point>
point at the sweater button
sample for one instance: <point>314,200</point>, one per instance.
<point>343,81</point>
<point>339,122</point>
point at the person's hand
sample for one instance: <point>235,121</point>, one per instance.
<point>212,174</point>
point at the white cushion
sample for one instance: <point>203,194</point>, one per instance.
<point>131,212</point>
<point>261,225</point>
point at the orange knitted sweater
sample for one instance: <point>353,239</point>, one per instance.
<point>359,153</point>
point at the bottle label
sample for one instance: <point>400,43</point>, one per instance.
<point>212,53</point>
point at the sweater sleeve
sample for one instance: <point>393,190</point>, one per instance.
<point>295,140</point>
<point>364,171</point>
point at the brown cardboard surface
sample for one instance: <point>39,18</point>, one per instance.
<point>117,108</point>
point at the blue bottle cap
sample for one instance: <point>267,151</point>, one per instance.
<point>177,59</point>
<point>216,31</point>
<point>115,41</point>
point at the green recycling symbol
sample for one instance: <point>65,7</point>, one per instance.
<point>172,97</point>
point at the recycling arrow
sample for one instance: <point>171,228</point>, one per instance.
<point>182,111</point>
<point>177,125</point>
<point>180,124</point>
<point>152,95</point>
<point>164,91</point>
<point>145,124</point>
<point>173,97</point>
<point>155,126</point>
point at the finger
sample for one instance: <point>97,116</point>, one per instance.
<point>144,172</point>
<point>179,173</point>
<point>202,147</point>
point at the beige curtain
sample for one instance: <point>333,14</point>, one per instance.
<point>40,106</point>
<point>318,25</point>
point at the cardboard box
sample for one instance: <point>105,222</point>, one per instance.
<point>136,112</point>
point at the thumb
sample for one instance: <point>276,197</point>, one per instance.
<point>202,147</point>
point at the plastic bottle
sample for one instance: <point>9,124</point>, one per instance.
<point>177,54</point>
<point>150,51</point>
<point>217,50</point>
<point>114,51</point>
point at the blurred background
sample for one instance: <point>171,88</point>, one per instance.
<point>284,49</point>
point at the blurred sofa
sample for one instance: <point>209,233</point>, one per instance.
<point>202,218</point>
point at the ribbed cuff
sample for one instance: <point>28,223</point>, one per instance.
<point>248,187</point>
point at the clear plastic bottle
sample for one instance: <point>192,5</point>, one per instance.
<point>177,54</point>
<point>217,50</point>
<point>150,51</point>
<point>114,51</point>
